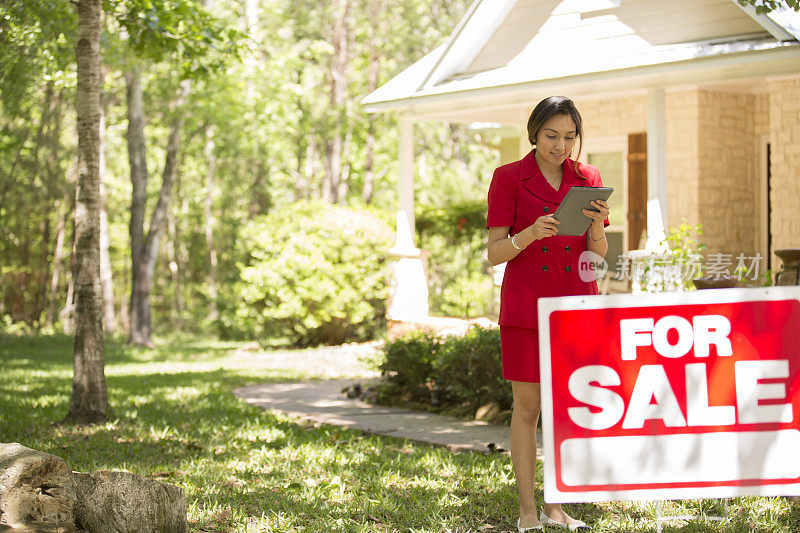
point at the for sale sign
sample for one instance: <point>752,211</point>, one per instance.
<point>677,395</point>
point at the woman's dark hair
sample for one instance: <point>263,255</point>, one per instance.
<point>555,105</point>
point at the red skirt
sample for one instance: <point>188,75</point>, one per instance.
<point>519,348</point>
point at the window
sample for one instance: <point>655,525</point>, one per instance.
<point>611,164</point>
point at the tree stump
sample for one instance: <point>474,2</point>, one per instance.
<point>122,502</point>
<point>35,488</point>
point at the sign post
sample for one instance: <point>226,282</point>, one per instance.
<point>672,395</point>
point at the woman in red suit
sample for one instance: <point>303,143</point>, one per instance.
<point>522,231</point>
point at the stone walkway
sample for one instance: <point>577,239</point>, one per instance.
<point>323,401</point>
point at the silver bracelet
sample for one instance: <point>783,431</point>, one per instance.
<point>514,242</point>
<point>601,239</point>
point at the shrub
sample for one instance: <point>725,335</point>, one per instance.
<point>315,274</point>
<point>675,269</point>
<point>458,272</point>
<point>467,369</point>
<point>408,366</point>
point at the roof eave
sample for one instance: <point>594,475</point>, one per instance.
<point>738,65</point>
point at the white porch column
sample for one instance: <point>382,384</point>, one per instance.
<point>408,291</point>
<point>656,168</point>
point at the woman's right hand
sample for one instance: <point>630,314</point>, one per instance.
<point>545,226</point>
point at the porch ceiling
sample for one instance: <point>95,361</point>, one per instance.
<point>506,54</point>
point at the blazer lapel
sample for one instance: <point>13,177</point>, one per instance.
<point>570,178</point>
<point>534,181</point>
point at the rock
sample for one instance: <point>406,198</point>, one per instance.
<point>37,490</point>
<point>122,502</point>
<point>493,447</point>
<point>487,412</point>
<point>39,527</point>
<point>353,391</point>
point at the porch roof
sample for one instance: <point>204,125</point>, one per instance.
<point>524,47</point>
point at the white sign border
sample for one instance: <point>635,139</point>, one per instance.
<point>546,306</point>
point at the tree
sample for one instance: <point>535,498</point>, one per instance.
<point>186,34</point>
<point>145,248</point>
<point>333,189</point>
<point>766,6</point>
<point>89,401</point>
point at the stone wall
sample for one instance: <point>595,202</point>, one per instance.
<point>784,116</point>
<point>613,117</point>
<point>683,165</point>
<point>761,113</point>
<point>729,179</point>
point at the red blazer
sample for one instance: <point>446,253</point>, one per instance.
<point>518,195</point>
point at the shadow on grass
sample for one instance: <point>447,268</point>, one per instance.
<point>241,465</point>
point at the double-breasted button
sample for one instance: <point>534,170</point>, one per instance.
<point>544,267</point>
<point>546,209</point>
<point>567,268</point>
<point>544,249</point>
<point>567,248</point>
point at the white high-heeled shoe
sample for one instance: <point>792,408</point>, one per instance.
<point>526,529</point>
<point>575,526</point>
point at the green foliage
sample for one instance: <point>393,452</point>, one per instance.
<point>675,269</point>
<point>315,274</point>
<point>408,366</point>
<point>200,41</point>
<point>467,369</point>
<point>36,45</point>
<point>270,115</point>
<point>468,294</point>
<point>455,237</point>
<point>765,6</point>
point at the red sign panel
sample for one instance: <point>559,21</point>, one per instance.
<point>675,395</point>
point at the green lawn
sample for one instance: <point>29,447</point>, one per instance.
<point>176,419</point>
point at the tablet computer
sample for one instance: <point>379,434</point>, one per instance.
<point>569,213</point>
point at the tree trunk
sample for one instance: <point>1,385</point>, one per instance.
<point>344,181</point>
<point>460,151</point>
<point>89,401</point>
<point>375,10</point>
<point>213,313</point>
<point>106,278</point>
<point>301,186</point>
<point>45,229</point>
<point>60,197</point>
<point>312,157</point>
<point>138,166</point>
<point>179,244</point>
<point>68,313</point>
<point>337,81</point>
<point>144,250</point>
<point>58,256</point>
<point>175,269</point>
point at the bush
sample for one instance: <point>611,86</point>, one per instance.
<point>316,274</point>
<point>675,269</point>
<point>408,366</point>
<point>458,272</point>
<point>467,369</point>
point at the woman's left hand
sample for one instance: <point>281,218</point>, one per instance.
<point>601,214</point>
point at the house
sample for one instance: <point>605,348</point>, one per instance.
<point>690,106</point>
